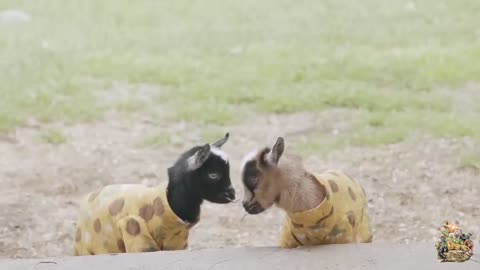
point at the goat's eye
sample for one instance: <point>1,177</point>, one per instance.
<point>213,176</point>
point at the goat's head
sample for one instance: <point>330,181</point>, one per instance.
<point>260,173</point>
<point>208,170</point>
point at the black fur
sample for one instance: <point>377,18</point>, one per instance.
<point>187,188</point>
<point>250,175</point>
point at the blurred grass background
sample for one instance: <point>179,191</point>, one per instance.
<point>399,67</point>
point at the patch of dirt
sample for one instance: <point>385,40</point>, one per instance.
<point>412,186</point>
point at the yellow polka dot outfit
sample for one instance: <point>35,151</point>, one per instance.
<point>341,218</point>
<point>129,218</point>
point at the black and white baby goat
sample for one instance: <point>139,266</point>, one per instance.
<point>137,218</point>
<point>201,173</point>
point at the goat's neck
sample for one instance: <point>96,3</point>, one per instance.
<point>300,192</point>
<point>183,200</point>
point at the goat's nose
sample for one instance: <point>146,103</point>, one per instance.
<point>230,193</point>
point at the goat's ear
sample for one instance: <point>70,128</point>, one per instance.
<point>274,155</point>
<point>222,141</point>
<point>196,160</point>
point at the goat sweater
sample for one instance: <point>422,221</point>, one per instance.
<point>129,218</point>
<point>341,217</point>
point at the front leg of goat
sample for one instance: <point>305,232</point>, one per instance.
<point>135,235</point>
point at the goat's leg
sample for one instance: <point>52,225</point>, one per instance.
<point>136,236</point>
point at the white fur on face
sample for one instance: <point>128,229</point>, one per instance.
<point>247,195</point>
<point>248,157</point>
<point>218,152</point>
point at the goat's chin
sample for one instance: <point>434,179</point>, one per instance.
<point>221,200</point>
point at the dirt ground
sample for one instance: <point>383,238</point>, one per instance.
<point>412,186</point>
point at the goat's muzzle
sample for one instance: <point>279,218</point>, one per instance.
<point>253,208</point>
<point>227,196</point>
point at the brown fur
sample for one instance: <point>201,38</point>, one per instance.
<point>288,185</point>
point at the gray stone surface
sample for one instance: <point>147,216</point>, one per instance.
<point>362,256</point>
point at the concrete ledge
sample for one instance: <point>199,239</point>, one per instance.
<point>362,256</point>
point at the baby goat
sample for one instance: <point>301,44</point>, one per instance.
<point>136,218</point>
<point>328,208</point>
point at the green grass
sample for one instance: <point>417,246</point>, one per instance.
<point>158,140</point>
<point>381,58</point>
<point>471,161</point>
<point>161,139</point>
<point>54,137</point>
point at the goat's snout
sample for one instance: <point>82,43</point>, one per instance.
<point>252,208</point>
<point>230,193</point>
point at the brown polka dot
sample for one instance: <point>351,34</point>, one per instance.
<point>78,235</point>
<point>351,218</point>
<point>325,217</point>
<point>133,227</point>
<point>158,206</point>
<point>333,185</point>
<point>116,206</point>
<point>146,212</point>
<point>352,194</point>
<point>93,195</point>
<point>97,226</point>
<point>121,245</point>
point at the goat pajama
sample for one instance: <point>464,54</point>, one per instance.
<point>341,218</point>
<point>129,218</point>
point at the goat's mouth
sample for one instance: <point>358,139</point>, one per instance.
<point>253,208</point>
<point>223,198</point>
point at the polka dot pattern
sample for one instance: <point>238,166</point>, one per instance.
<point>158,208</point>
<point>352,194</point>
<point>146,212</point>
<point>116,206</point>
<point>333,186</point>
<point>133,227</point>
<point>97,226</point>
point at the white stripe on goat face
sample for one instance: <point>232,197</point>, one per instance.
<point>247,195</point>
<point>218,152</point>
<point>248,157</point>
